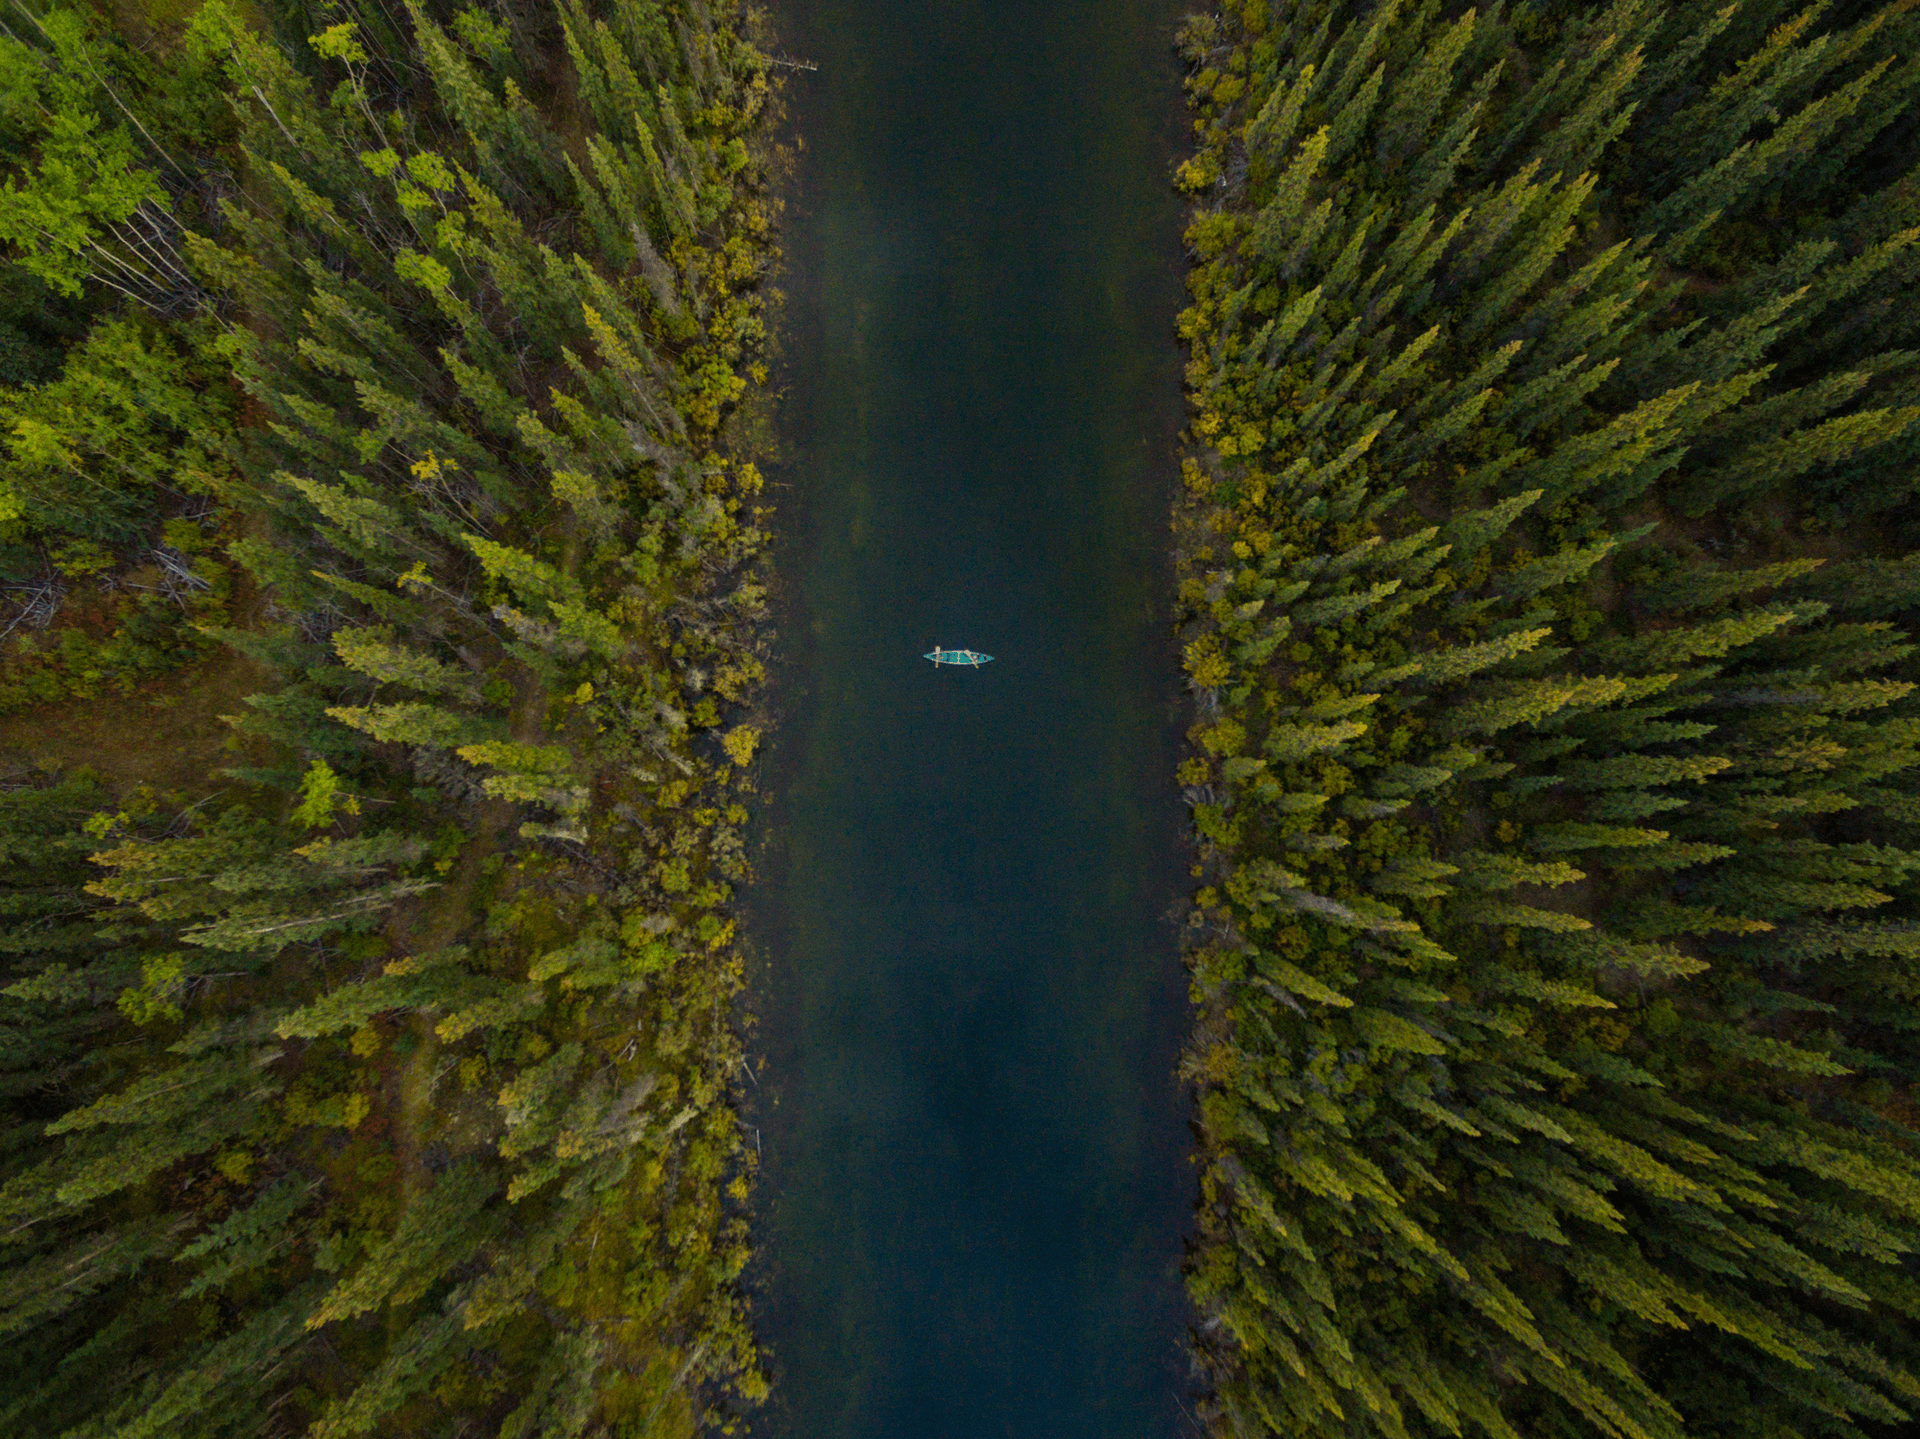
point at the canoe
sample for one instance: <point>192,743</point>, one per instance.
<point>956,657</point>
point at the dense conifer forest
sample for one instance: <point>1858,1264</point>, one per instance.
<point>1549,568</point>
<point>381,619</point>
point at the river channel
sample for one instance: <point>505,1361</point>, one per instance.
<point>976,1176</point>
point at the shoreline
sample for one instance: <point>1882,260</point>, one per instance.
<point>1436,623</point>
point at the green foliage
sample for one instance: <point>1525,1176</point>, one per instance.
<point>319,793</point>
<point>374,1091</point>
<point>109,148</point>
<point>85,178</point>
<point>133,419</point>
<point>148,634</point>
<point>1539,982</point>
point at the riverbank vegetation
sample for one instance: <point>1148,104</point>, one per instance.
<point>1548,570</point>
<point>380,1081</point>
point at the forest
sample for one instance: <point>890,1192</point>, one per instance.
<point>379,630</point>
<point>1547,571</point>
<point>384,630</point>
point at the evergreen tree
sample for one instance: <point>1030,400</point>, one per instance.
<point>1459,1097</point>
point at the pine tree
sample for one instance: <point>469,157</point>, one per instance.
<point>1595,1074</point>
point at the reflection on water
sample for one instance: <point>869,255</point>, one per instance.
<point>976,1176</point>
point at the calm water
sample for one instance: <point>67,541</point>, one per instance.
<point>976,1149</point>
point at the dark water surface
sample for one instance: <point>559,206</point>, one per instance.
<point>976,1172</point>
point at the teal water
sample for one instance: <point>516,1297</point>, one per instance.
<point>976,1176</point>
